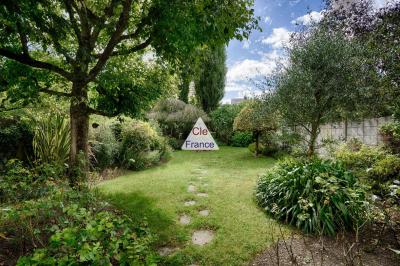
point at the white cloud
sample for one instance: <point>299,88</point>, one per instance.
<point>308,19</point>
<point>239,74</point>
<point>246,44</point>
<point>279,38</point>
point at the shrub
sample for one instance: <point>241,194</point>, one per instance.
<point>360,159</point>
<point>19,183</point>
<point>142,146</point>
<point>391,136</point>
<point>316,196</point>
<point>268,150</point>
<point>385,169</point>
<point>104,147</point>
<point>242,139</point>
<point>16,136</point>
<point>175,117</point>
<point>176,144</point>
<point>51,141</point>
<point>73,227</point>
<point>222,121</point>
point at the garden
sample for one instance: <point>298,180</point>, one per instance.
<point>98,98</point>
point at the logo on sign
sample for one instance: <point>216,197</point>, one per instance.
<point>200,138</point>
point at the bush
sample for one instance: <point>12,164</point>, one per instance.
<point>19,183</point>
<point>267,150</point>
<point>142,146</point>
<point>16,136</point>
<point>73,227</point>
<point>242,139</point>
<point>385,169</point>
<point>176,144</point>
<point>391,136</point>
<point>360,159</point>
<point>104,147</point>
<point>175,117</point>
<point>222,121</point>
<point>315,196</point>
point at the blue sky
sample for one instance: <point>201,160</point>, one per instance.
<point>248,60</point>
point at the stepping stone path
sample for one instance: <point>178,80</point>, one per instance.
<point>184,219</point>
<point>204,212</point>
<point>165,251</point>
<point>202,237</point>
<point>191,188</point>
<point>190,203</point>
<point>202,194</point>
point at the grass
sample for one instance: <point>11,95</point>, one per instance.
<point>228,176</point>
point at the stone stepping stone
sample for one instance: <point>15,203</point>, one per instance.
<point>191,188</point>
<point>204,212</point>
<point>190,203</point>
<point>202,237</point>
<point>165,251</point>
<point>184,219</point>
<point>201,194</point>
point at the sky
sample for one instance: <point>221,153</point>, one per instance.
<point>251,59</point>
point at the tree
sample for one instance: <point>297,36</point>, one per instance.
<point>323,81</point>
<point>70,42</point>
<point>257,117</point>
<point>210,83</point>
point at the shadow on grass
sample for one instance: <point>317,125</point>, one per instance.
<point>141,207</point>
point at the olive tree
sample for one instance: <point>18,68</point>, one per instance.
<point>323,81</point>
<point>70,42</point>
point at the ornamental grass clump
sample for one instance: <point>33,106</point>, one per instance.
<point>314,195</point>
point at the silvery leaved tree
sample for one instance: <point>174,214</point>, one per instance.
<point>62,47</point>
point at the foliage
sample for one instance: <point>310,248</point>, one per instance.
<point>65,48</point>
<point>269,149</point>
<point>315,196</point>
<point>241,139</point>
<point>175,117</point>
<point>18,183</point>
<point>323,82</point>
<point>117,91</point>
<point>385,169</point>
<point>210,83</point>
<point>256,117</point>
<point>16,136</point>
<point>391,136</point>
<point>51,141</point>
<point>360,159</point>
<point>142,146</point>
<point>69,227</point>
<point>222,121</point>
<point>104,146</point>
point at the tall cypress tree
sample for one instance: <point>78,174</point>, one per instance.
<point>210,83</point>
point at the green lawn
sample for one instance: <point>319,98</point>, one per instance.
<point>228,176</point>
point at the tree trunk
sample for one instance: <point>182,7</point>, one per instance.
<point>79,120</point>
<point>313,139</point>
<point>257,135</point>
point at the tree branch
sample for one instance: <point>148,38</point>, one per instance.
<point>27,60</point>
<point>55,93</point>
<point>73,20</point>
<point>120,27</point>
<point>133,49</point>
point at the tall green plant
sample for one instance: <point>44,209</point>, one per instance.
<point>51,141</point>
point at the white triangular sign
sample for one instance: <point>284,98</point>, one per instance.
<point>200,138</point>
